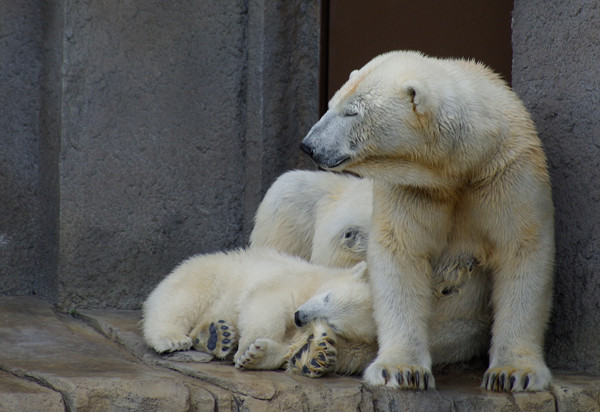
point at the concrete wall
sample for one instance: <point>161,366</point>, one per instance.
<point>556,71</point>
<point>146,132</point>
<point>21,224</point>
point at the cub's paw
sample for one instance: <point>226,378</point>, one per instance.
<point>512,379</point>
<point>217,338</point>
<point>399,376</point>
<point>172,343</point>
<point>252,357</point>
<point>317,356</point>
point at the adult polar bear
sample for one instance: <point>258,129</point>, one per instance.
<point>458,169</point>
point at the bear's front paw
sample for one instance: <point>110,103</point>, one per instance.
<point>509,378</point>
<point>317,356</point>
<point>217,338</point>
<point>399,376</point>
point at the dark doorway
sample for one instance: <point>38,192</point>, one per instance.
<point>355,31</point>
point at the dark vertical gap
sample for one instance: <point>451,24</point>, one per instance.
<point>324,58</point>
<point>46,283</point>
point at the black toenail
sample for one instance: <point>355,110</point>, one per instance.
<point>224,328</point>
<point>324,334</point>
<point>225,341</point>
<point>384,373</point>
<point>322,344</point>
<point>305,370</point>
<point>226,334</point>
<point>221,321</point>
<point>225,348</point>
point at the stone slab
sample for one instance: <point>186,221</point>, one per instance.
<point>97,360</point>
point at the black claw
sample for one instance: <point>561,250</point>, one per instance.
<point>502,381</point>
<point>399,378</point>
<point>321,357</point>
<point>511,384</point>
<point>384,373</point>
<point>526,382</point>
<point>225,348</point>
<point>409,378</point>
<point>417,382</point>
<point>221,321</point>
<point>426,380</point>
<point>305,370</point>
<point>294,360</point>
<point>311,337</point>
<point>226,334</point>
<point>226,341</point>
<point>486,380</point>
<point>322,344</point>
<point>493,381</point>
<point>225,327</point>
<point>315,363</point>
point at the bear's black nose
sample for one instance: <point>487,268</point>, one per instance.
<point>297,320</point>
<point>306,149</point>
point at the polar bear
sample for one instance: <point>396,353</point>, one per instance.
<point>457,168</point>
<point>246,299</point>
<point>319,216</point>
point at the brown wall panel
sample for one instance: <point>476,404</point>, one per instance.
<point>359,30</point>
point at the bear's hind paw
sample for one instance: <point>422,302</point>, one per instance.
<point>172,344</point>
<point>253,356</point>
<point>317,356</point>
<point>217,338</point>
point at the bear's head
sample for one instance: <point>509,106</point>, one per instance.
<point>345,303</point>
<point>403,108</point>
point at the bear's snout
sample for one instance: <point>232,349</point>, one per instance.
<point>306,149</point>
<point>297,319</point>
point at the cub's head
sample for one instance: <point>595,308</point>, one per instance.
<point>345,303</point>
<point>405,107</point>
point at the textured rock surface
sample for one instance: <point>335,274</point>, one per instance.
<point>556,72</point>
<point>136,134</point>
<point>96,360</point>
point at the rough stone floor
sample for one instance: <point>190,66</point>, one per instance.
<point>96,360</point>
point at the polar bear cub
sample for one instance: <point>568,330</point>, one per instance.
<point>319,216</point>
<point>246,300</point>
<point>457,169</point>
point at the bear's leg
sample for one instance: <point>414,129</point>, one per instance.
<point>313,353</point>
<point>217,338</point>
<point>402,304</point>
<point>522,299</point>
<point>264,353</point>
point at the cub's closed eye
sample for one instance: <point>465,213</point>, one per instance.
<point>350,113</point>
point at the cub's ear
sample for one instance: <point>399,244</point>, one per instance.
<point>359,271</point>
<point>417,92</point>
<point>352,74</point>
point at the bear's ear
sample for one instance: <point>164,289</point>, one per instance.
<point>352,74</point>
<point>417,93</point>
<point>359,271</point>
